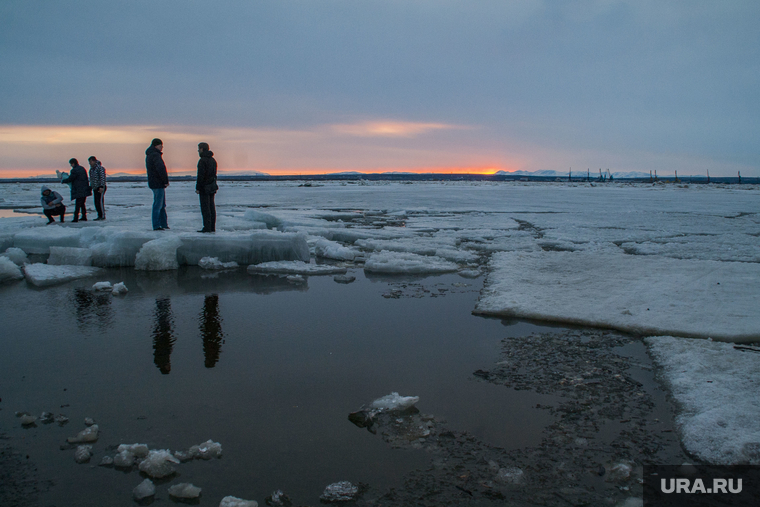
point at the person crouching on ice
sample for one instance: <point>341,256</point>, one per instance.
<point>52,204</point>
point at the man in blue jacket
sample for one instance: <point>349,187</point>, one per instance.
<point>158,180</point>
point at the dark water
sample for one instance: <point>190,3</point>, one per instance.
<point>268,369</point>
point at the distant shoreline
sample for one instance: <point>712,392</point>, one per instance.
<point>417,177</point>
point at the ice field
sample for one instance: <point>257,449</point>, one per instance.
<point>677,263</point>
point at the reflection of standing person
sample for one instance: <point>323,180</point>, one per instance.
<point>210,326</point>
<point>52,204</point>
<point>98,184</point>
<point>163,338</point>
<point>80,189</point>
<point>206,187</point>
<point>158,180</point>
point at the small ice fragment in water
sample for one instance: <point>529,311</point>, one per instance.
<point>215,263</point>
<point>509,475</point>
<point>61,419</point>
<point>124,459</point>
<point>296,279</point>
<point>27,420</point>
<point>184,490</point>
<point>158,464</point>
<point>88,421</point>
<point>144,490</point>
<point>119,289</point>
<point>278,499</point>
<point>102,286</point>
<point>344,278</point>
<point>469,273</point>
<point>47,417</point>
<point>86,435</point>
<point>342,491</point>
<point>83,453</point>
<point>619,472</point>
<point>231,501</point>
<point>207,450</point>
<point>394,401</point>
<point>183,456</point>
<point>139,450</point>
<point>106,461</point>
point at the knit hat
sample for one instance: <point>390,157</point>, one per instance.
<point>156,142</point>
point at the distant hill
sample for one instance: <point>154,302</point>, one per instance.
<point>548,173</point>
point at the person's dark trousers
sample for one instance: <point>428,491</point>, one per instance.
<point>80,206</point>
<point>58,210</point>
<point>99,202</point>
<point>208,210</point>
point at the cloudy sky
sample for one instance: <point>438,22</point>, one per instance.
<point>305,86</point>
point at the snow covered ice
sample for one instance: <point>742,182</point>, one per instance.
<point>668,260</point>
<point>159,464</point>
<point>232,501</point>
<point>144,490</point>
<point>184,490</point>
<point>394,401</point>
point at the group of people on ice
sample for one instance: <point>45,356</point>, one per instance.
<point>158,179</point>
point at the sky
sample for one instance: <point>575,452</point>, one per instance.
<point>315,86</point>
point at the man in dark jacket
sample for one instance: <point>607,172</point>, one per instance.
<point>52,204</point>
<point>80,189</point>
<point>206,187</point>
<point>158,180</point>
<point>98,185</point>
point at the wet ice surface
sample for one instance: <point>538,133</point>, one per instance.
<point>268,369</point>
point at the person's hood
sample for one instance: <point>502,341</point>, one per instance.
<point>151,149</point>
<point>207,154</point>
<point>45,187</point>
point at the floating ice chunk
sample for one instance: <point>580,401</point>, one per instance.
<point>17,255</point>
<point>232,501</point>
<point>342,491</point>
<point>158,464</point>
<point>715,387</point>
<point>215,263</point>
<point>102,286</point>
<point>207,450</point>
<point>106,461</point>
<point>394,401</point>
<point>114,247</point>
<point>86,435</point>
<point>119,289</point>
<point>43,275</point>
<point>89,421</point>
<point>296,279</point>
<point>183,456</point>
<point>144,490</point>
<point>636,294</point>
<point>469,273</point>
<point>158,254</point>
<point>61,419</point>
<point>257,216</point>
<point>184,490</point>
<point>65,255</point>
<point>9,270</point>
<point>27,419</point>
<point>509,475</point>
<point>618,472</point>
<point>38,240</point>
<point>47,417</point>
<point>83,453</point>
<point>295,268</point>
<point>124,459</point>
<point>139,450</point>
<point>332,250</point>
<point>278,499</point>
<point>407,263</point>
<point>344,278</point>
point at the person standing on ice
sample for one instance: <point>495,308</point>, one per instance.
<point>52,204</point>
<point>80,189</point>
<point>158,180</point>
<point>206,187</point>
<point>98,184</point>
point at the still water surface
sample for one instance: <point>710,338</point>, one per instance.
<point>268,369</point>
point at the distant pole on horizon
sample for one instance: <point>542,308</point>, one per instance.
<point>570,175</point>
<point>655,175</point>
<point>708,176</point>
<point>740,177</point>
<point>588,174</point>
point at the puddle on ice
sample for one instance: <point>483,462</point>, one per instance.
<point>268,368</point>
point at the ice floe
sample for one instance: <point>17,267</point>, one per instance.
<point>159,464</point>
<point>43,275</point>
<point>17,255</point>
<point>637,294</point>
<point>716,387</point>
<point>158,254</point>
<point>397,263</point>
<point>342,491</point>
<point>184,490</point>
<point>66,255</point>
<point>232,501</point>
<point>215,263</point>
<point>9,270</point>
<point>394,401</point>
<point>145,489</point>
<point>89,434</point>
<point>295,268</point>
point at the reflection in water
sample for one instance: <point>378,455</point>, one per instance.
<point>210,325</point>
<point>163,339</point>
<point>92,308</point>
